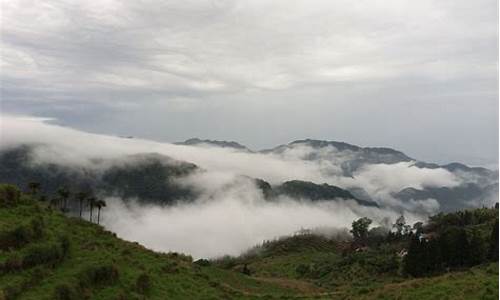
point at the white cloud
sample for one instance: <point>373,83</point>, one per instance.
<point>230,214</point>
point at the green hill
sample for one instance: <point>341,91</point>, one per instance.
<point>47,255</point>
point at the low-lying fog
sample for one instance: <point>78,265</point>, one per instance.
<point>231,214</point>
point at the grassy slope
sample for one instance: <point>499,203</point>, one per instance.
<point>357,279</point>
<point>480,282</point>
<point>173,276</point>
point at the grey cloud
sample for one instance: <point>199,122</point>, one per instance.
<point>230,214</point>
<point>397,73</point>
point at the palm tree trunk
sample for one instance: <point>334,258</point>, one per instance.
<point>91,209</point>
<point>98,214</point>
<point>81,202</point>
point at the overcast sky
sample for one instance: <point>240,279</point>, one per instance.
<point>419,76</point>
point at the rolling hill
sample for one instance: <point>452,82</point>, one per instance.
<point>45,254</point>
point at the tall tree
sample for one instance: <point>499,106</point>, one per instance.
<point>414,260</point>
<point>81,196</point>
<point>400,225</point>
<point>64,194</point>
<point>99,204</point>
<point>493,249</point>
<point>91,201</point>
<point>360,229</point>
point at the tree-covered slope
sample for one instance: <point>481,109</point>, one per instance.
<point>147,177</point>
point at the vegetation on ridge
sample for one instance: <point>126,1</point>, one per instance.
<point>45,254</point>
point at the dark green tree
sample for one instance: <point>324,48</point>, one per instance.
<point>81,196</point>
<point>493,247</point>
<point>99,204</point>
<point>360,229</point>
<point>433,258</point>
<point>478,248</point>
<point>64,194</point>
<point>91,201</point>
<point>414,261</point>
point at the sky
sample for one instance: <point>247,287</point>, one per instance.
<point>418,76</point>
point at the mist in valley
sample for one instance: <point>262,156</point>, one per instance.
<point>230,213</point>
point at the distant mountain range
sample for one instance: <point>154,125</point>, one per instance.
<point>477,183</point>
<point>148,178</point>
<point>152,178</point>
<point>214,143</point>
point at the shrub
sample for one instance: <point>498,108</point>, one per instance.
<point>42,254</point>
<point>66,291</point>
<point>143,283</point>
<point>37,226</point>
<point>171,267</point>
<point>9,195</point>
<point>13,263</point>
<point>65,244</point>
<point>11,291</point>
<point>302,270</point>
<point>184,257</point>
<point>15,238</point>
<point>98,275</point>
<point>202,262</point>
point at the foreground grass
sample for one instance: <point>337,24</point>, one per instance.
<point>169,275</point>
<point>47,255</point>
<point>358,275</point>
<point>480,282</point>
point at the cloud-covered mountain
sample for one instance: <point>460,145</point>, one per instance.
<point>228,199</point>
<point>306,169</point>
<point>474,184</point>
<point>146,177</point>
<point>214,143</point>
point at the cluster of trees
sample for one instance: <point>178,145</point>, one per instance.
<point>447,241</point>
<point>365,236</point>
<point>64,198</point>
<point>458,240</point>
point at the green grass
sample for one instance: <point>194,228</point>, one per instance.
<point>480,282</point>
<point>98,265</point>
<point>372,274</point>
<point>172,275</point>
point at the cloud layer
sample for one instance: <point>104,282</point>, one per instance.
<point>225,70</point>
<point>231,213</point>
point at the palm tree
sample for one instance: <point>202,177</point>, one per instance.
<point>92,201</point>
<point>63,195</point>
<point>100,204</point>
<point>34,187</point>
<point>81,196</point>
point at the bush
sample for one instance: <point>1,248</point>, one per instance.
<point>9,195</point>
<point>171,267</point>
<point>42,254</point>
<point>11,291</point>
<point>302,270</point>
<point>98,275</point>
<point>202,262</point>
<point>22,234</point>
<point>37,226</point>
<point>15,238</point>
<point>143,283</point>
<point>13,263</point>
<point>65,244</point>
<point>66,291</point>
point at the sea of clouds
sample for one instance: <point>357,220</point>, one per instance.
<point>231,213</point>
